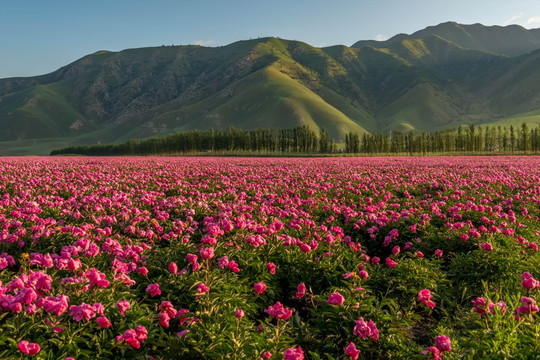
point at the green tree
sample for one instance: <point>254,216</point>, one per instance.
<point>525,138</point>
<point>323,141</point>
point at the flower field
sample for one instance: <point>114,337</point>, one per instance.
<point>250,258</point>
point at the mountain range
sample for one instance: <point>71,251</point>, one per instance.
<point>439,77</point>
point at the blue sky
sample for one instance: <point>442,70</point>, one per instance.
<point>40,36</point>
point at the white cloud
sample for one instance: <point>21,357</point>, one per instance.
<point>512,19</point>
<point>204,42</point>
<point>533,20</point>
<point>381,37</point>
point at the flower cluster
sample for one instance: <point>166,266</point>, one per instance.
<point>134,337</point>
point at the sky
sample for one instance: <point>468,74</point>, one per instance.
<point>40,36</point>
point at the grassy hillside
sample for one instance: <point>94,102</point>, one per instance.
<point>40,111</point>
<point>423,102</point>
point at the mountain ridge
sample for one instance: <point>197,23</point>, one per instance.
<point>422,84</point>
<point>492,39</point>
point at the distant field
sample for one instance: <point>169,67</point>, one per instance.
<point>45,145</point>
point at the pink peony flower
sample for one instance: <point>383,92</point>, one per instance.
<point>223,261</point>
<point>16,307</point>
<point>529,282</point>
<point>529,306</point>
<point>141,333</point>
<point>501,305</point>
<point>366,329</point>
<point>425,297</point>
<point>168,308</point>
<point>164,319</point>
<point>124,279</point>
<point>153,290</point>
<point>335,299</point>
<point>486,246</point>
<point>266,355</point>
<point>83,311</point>
<point>43,282</point>
<point>293,354</point>
<point>390,263</point>
<point>181,314</point>
<point>279,311</point>
<point>28,347</point>
<point>98,308</point>
<point>56,305</point>
<point>481,306</point>
<point>74,264</point>
<point>6,260</point>
<point>434,351</point>
<point>239,314</point>
<point>123,305</point>
<point>97,278</point>
<point>143,270</point>
<point>202,288</point>
<point>183,333</point>
<point>103,322</point>
<point>173,268</point>
<point>443,343</point>
<point>305,247</point>
<point>260,287</point>
<point>207,253</point>
<point>31,309</point>
<point>233,266</point>
<point>438,253</point>
<point>352,351</point>
<point>271,267</point>
<point>130,338</point>
<point>301,290</point>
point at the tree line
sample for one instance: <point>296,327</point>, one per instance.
<point>302,140</point>
<point>463,140</point>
